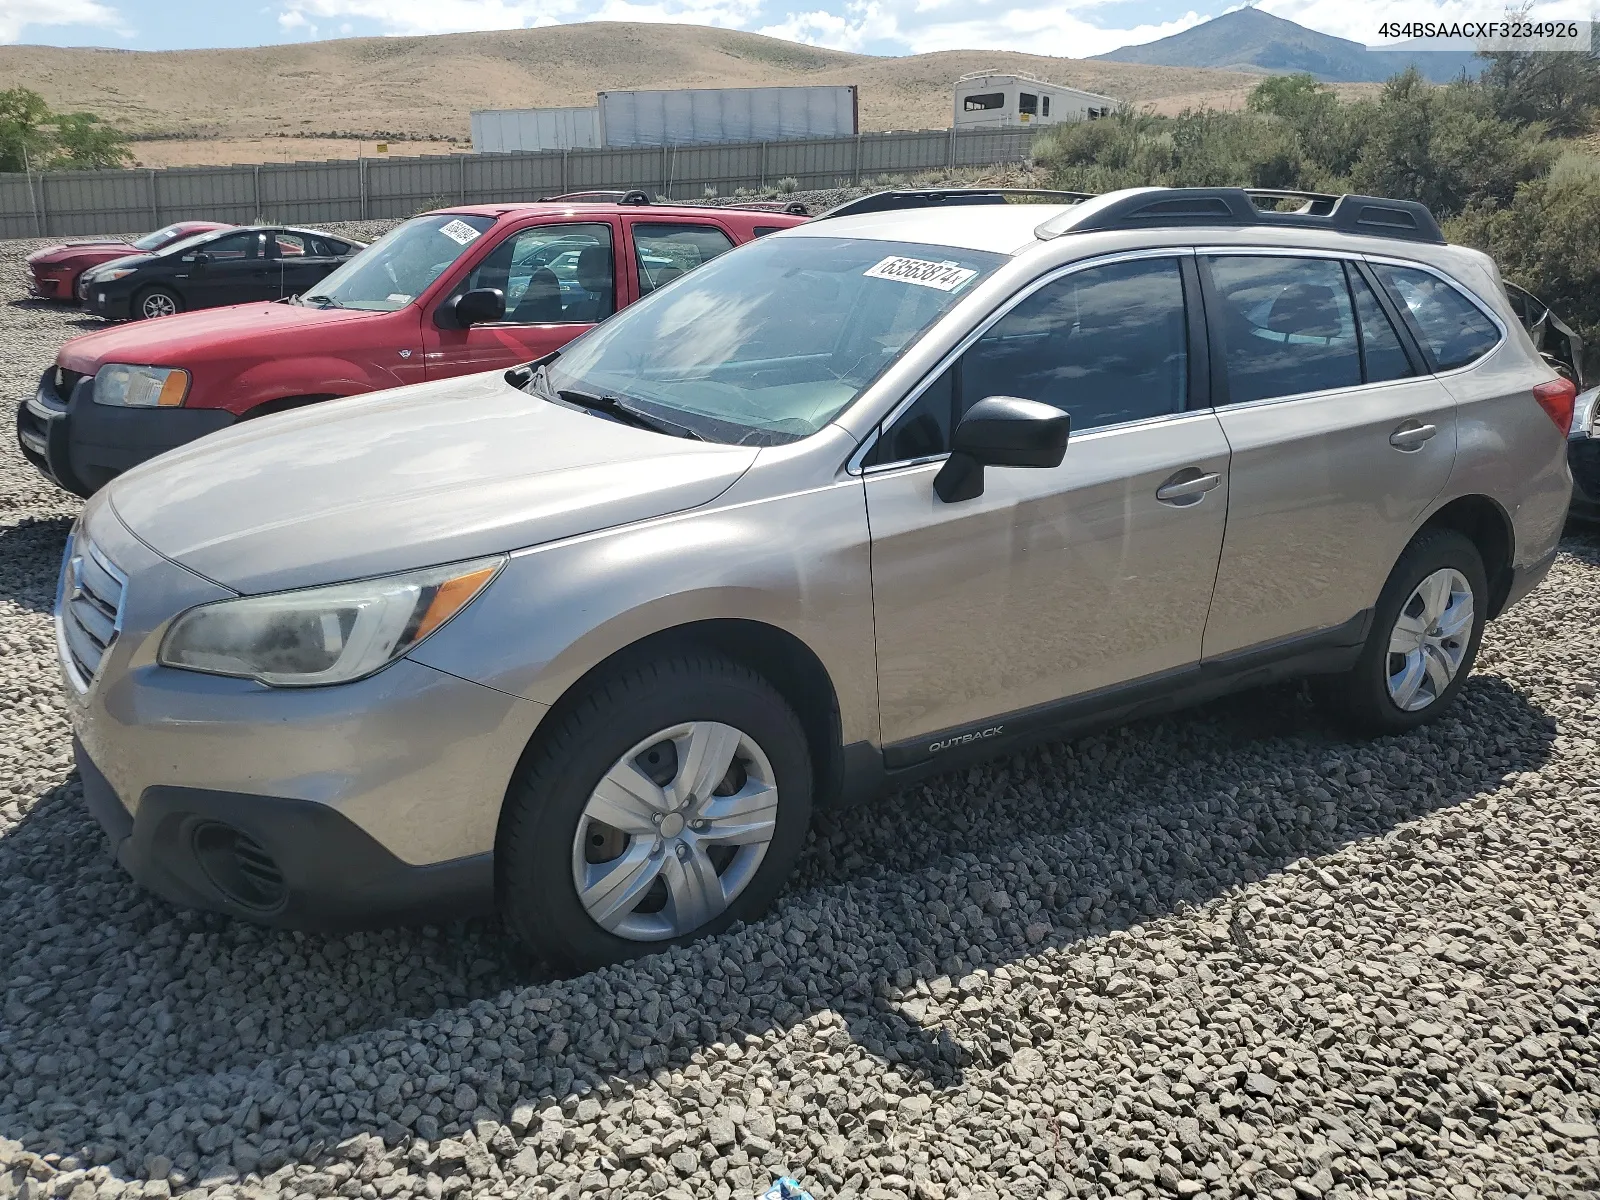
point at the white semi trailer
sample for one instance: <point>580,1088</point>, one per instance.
<point>680,117</point>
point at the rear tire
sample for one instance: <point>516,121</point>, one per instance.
<point>1425,632</point>
<point>156,302</point>
<point>605,850</point>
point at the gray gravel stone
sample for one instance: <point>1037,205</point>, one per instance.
<point>1218,954</point>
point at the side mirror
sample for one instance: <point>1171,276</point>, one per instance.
<point>1001,431</point>
<point>200,259</point>
<point>477,307</point>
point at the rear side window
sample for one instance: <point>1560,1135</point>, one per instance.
<point>1382,356</point>
<point>763,230</point>
<point>1454,329</point>
<point>1108,345</point>
<point>1286,326</point>
<point>236,246</point>
<point>668,251</point>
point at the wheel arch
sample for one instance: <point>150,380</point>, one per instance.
<point>283,404</point>
<point>777,655</point>
<point>1486,524</point>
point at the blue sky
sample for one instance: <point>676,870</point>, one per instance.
<point>1073,28</point>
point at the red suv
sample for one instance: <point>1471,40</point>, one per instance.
<point>447,293</point>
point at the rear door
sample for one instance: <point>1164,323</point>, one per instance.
<point>302,261</point>
<point>558,280</point>
<point>236,270</point>
<point>1341,438</point>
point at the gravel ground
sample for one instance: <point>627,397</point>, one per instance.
<point>1221,954</point>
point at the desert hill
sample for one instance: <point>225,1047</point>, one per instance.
<point>320,99</point>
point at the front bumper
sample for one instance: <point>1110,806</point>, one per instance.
<point>361,805</point>
<point>111,301</point>
<point>48,283</point>
<point>1583,455</point>
<point>82,445</point>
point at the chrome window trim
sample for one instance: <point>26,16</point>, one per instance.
<point>854,465</point>
<point>1472,298</point>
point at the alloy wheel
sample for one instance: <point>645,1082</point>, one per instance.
<point>158,305</point>
<point>1429,640</point>
<point>675,831</point>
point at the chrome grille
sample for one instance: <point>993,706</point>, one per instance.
<point>88,609</point>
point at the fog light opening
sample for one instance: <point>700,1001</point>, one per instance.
<point>238,867</point>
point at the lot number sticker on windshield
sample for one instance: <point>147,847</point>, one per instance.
<point>946,276</point>
<point>459,231</point>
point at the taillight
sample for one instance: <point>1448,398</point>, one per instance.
<point>1556,398</point>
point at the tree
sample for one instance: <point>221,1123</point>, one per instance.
<point>25,137</point>
<point>86,143</point>
<point>34,138</point>
<point>1560,91</point>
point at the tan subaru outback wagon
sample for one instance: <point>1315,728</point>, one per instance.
<point>589,640</point>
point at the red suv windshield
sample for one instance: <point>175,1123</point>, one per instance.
<point>399,266</point>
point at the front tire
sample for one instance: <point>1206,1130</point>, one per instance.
<point>667,803</point>
<point>1425,633</point>
<point>156,302</point>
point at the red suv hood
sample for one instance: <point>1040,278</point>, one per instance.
<point>68,251</point>
<point>182,339</point>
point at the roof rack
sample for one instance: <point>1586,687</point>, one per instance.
<point>630,196</point>
<point>1152,208</point>
<point>793,208</point>
<point>937,197</point>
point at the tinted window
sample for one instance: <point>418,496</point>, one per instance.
<point>551,274</point>
<point>1108,345</point>
<point>763,230</point>
<point>1045,100</point>
<point>1451,326</point>
<point>668,251</point>
<point>1028,103</point>
<point>1285,326</point>
<point>1382,356</point>
<point>235,246</point>
<point>292,245</point>
<point>985,102</point>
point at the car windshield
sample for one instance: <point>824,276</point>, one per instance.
<point>398,267</point>
<point>158,239</point>
<point>768,343</point>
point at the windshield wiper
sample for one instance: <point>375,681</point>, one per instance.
<point>523,375</point>
<point>321,301</point>
<point>625,412</point>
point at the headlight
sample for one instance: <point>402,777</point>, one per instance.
<point>140,387</point>
<point>327,634</point>
<point>1584,412</point>
<point>114,273</point>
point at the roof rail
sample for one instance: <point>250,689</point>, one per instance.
<point>630,196</point>
<point>936,197</point>
<point>1155,208</point>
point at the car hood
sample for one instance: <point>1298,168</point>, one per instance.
<point>431,473</point>
<point>175,341</point>
<point>69,250</point>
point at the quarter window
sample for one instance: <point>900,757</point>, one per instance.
<point>668,251</point>
<point>1382,356</point>
<point>1285,326</point>
<point>1108,345</point>
<point>1453,328</point>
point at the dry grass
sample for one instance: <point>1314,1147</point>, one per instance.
<point>212,106</point>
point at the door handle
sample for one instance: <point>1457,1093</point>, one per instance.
<point>1411,435</point>
<point>1184,488</point>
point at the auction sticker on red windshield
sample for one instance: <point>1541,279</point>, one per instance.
<point>946,276</point>
<point>459,231</point>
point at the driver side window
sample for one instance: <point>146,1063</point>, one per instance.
<point>551,275</point>
<point>1108,345</point>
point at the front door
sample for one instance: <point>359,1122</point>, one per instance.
<point>236,270</point>
<point>558,280</point>
<point>1062,581</point>
<point>1341,440</point>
